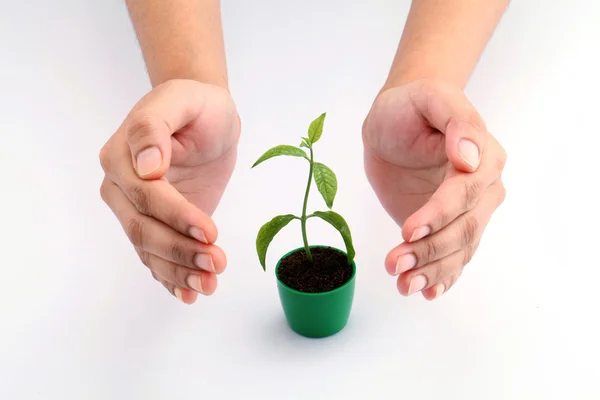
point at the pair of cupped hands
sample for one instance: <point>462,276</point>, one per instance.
<point>427,154</point>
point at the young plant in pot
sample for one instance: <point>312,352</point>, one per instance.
<point>315,282</point>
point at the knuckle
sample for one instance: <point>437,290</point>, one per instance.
<point>469,230</point>
<point>429,251</point>
<point>135,231</point>
<point>468,115</point>
<point>471,190</point>
<point>179,254</point>
<point>141,199</point>
<point>473,118</point>
<point>142,126</point>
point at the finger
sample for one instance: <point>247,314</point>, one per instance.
<point>440,271</point>
<point>158,115</point>
<point>157,198</point>
<point>159,239</point>
<point>455,196</point>
<point>184,295</point>
<point>199,281</point>
<point>435,291</point>
<point>449,111</point>
<point>459,234</point>
<point>161,201</point>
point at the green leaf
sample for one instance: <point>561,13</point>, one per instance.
<point>281,150</point>
<point>304,142</point>
<point>338,222</point>
<point>266,234</point>
<point>315,130</point>
<point>326,182</point>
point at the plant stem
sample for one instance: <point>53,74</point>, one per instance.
<point>304,218</point>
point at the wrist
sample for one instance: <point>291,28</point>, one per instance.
<point>422,69</point>
<point>212,75</point>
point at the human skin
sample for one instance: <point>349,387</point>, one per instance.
<point>427,152</point>
<point>168,164</point>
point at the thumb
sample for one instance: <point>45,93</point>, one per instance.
<point>150,145</point>
<point>449,111</point>
<point>154,119</point>
<point>464,144</point>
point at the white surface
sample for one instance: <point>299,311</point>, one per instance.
<point>82,319</point>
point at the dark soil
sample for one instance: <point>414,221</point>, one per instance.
<point>329,270</point>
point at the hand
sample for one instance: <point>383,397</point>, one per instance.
<point>437,171</point>
<point>166,169</point>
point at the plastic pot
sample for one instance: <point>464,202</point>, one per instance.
<point>317,315</point>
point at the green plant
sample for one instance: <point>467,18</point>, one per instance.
<point>326,182</point>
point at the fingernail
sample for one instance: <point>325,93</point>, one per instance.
<point>179,294</point>
<point>148,161</point>
<point>204,261</point>
<point>405,262</point>
<point>195,282</point>
<point>198,234</point>
<point>469,152</point>
<point>416,284</point>
<point>439,290</point>
<point>420,233</point>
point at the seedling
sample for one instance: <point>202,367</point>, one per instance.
<point>327,185</point>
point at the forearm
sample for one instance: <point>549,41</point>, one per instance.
<point>180,39</point>
<point>443,39</point>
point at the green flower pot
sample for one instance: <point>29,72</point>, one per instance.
<point>317,315</point>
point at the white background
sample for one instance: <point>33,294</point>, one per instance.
<point>81,318</point>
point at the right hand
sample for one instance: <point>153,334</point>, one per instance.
<point>166,169</point>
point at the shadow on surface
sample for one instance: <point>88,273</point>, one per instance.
<point>277,339</point>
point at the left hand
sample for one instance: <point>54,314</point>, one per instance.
<point>437,171</point>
